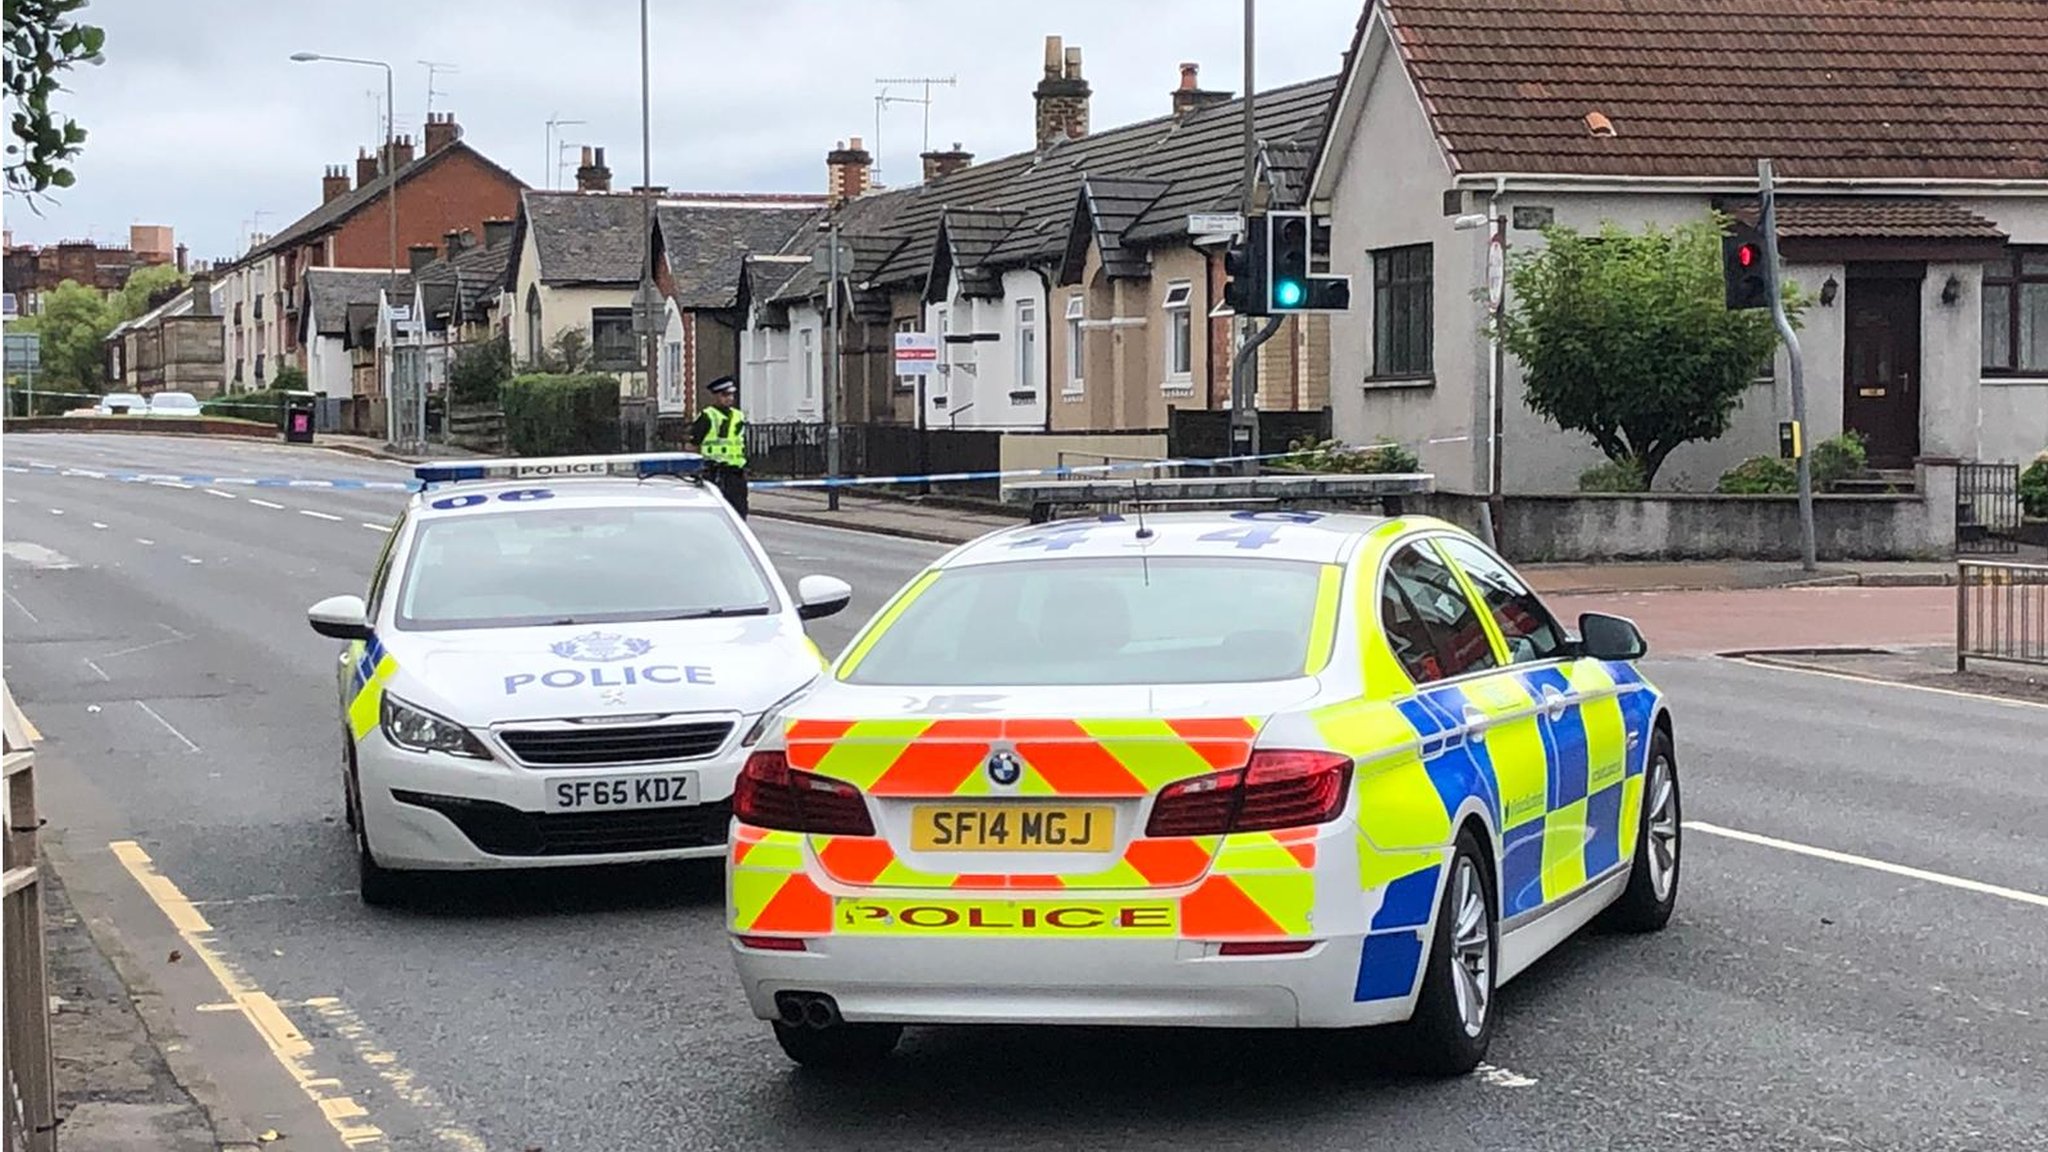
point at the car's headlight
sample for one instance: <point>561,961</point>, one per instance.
<point>418,730</point>
<point>767,719</point>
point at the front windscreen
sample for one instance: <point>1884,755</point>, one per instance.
<point>569,565</point>
<point>1168,621</point>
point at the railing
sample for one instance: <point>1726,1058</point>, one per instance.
<point>2001,612</point>
<point>1987,509</point>
<point>30,1074</point>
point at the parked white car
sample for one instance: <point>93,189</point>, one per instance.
<point>174,404</point>
<point>122,404</point>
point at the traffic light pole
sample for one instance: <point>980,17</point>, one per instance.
<point>1769,224</point>
<point>1244,368</point>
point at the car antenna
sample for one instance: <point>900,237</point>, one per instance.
<point>1144,533</point>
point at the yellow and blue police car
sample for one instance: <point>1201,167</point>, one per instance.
<point>1214,768</point>
<point>559,662</point>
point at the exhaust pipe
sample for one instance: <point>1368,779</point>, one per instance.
<point>813,1010</point>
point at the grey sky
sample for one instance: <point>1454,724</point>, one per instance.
<point>200,120</point>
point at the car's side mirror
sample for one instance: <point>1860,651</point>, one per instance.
<point>340,617</point>
<point>819,596</point>
<point>1604,637</point>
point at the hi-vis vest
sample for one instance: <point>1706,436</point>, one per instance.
<point>726,441</point>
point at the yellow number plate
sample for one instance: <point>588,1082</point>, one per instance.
<point>1012,827</point>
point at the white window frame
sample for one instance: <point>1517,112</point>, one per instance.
<point>1077,359</point>
<point>1180,335</point>
<point>1028,359</point>
<point>807,342</point>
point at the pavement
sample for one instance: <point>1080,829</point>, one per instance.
<point>1853,963</point>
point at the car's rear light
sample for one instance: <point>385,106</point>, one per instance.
<point>772,943</point>
<point>1280,788</point>
<point>1265,947</point>
<point>771,794</point>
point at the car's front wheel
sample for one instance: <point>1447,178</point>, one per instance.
<point>379,887</point>
<point>840,1047</point>
<point>1453,1021</point>
<point>1652,892</point>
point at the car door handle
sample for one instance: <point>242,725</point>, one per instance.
<point>1476,723</point>
<point>1556,704</point>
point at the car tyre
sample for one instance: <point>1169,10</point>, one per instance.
<point>349,814</point>
<point>379,887</point>
<point>839,1048</point>
<point>1454,1015</point>
<point>1652,892</point>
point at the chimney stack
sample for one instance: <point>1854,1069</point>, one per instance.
<point>202,290</point>
<point>418,256</point>
<point>366,168</point>
<point>183,253</point>
<point>497,230</point>
<point>1191,96</point>
<point>441,131</point>
<point>454,241</point>
<point>846,172</point>
<point>333,183</point>
<point>592,175</point>
<point>938,165</point>
<point>1061,95</point>
<point>401,152</point>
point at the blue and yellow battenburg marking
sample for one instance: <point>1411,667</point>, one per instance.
<point>373,669</point>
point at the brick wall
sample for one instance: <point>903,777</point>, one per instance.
<point>459,192</point>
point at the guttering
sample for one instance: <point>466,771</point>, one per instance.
<point>1578,182</point>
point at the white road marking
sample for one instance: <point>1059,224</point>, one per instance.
<point>192,560</point>
<point>97,524</point>
<point>168,726</point>
<point>12,500</point>
<point>23,608</point>
<point>175,637</point>
<point>170,484</point>
<point>221,494</point>
<point>85,472</point>
<point>101,672</point>
<point>56,511</point>
<point>144,540</point>
<point>2014,894</point>
<point>376,527</point>
<point>36,556</point>
<point>318,515</point>
<point>1855,679</point>
<point>263,503</point>
<point>1501,1077</point>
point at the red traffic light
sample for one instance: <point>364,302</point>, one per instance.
<point>1746,255</point>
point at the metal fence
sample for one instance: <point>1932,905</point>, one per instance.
<point>1988,510</point>
<point>31,1103</point>
<point>2001,612</point>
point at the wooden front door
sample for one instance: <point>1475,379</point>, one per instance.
<point>1881,373</point>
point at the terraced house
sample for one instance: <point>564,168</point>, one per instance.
<point>1068,293</point>
<point>1910,143</point>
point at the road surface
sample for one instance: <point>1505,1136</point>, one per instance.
<point>1855,961</point>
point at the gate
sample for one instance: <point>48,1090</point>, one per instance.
<point>1988,511</point>
<point>408,411</point>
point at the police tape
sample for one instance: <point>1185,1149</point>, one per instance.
<point>1021,473</point>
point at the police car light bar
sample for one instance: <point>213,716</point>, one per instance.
<point>641,465</point>
<point>1285,491</point>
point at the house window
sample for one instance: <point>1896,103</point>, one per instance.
<point>1076,350</point>
<point>672,373</point>
<point>612,345</point>
<point>905,383</point>
<point>1027,351</point>
<point>534,342</point>
<point>2016,313</point>
<point>1402,316</point>
<point>259,365</point>
<point>1180,333</point>
<point>807,363</point>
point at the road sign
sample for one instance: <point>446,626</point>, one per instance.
<point>917,353</point>
<point>1215,224</point>
<point>24,352</point>
<point>1496,271</point>
<point>821,257</point>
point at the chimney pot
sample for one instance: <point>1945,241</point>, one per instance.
<point>847,169</point>
<point>1187,77</point>
<point>593,176</point>
<point>1073,64</point>
<point>1061,97</point>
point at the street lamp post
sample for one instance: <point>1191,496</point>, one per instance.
<point>390,166</point>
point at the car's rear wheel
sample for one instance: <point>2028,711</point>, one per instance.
<point>1652,892</point>
<point>839,1047</point>
<point>1454,1014</point>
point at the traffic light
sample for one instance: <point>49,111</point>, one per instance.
<point>1288,281</point>
<point>1745,271</point>
<point>1245,266</point>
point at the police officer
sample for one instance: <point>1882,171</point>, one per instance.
<point>720,433</point>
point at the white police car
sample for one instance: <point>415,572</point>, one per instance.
<point>560,662</point>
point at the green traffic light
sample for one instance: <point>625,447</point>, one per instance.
<point>1289,293</point>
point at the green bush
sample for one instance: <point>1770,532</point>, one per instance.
<point>548,415</point>
<point>2034,489</point>
<point>1834,459</point>
<point>480,372</point>
<point>1335,456</point>
<point>1614,476</point>
<point>1838,459</point>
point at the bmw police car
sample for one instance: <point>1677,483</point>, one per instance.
<point>1223,768</point>
<point>559,662</point>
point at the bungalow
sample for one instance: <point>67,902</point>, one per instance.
<point>701,246</point>
<point>1911,157</point>
<point>1063,281</point>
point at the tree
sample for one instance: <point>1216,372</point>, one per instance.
<point>43,40</point>
<point>1624,336</point>
<point>480,371</point>
<point>143,283</point>
<point>73,325</point>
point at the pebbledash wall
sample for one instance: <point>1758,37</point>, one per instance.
<point>1684,526</point>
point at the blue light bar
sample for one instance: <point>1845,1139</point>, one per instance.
<point>638,465</point>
